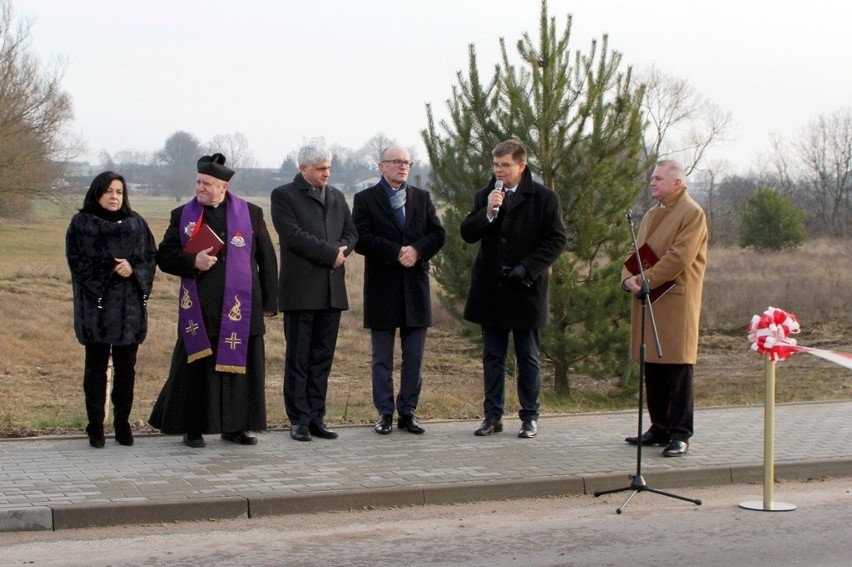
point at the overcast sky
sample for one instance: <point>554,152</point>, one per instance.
<point>284,71</point>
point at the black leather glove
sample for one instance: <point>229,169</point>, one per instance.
<point>517,276</point>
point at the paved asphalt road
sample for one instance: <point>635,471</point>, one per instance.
<point>61,483</point>
<point>572,530</point>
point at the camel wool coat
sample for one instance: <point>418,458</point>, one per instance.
<point>676,230</point>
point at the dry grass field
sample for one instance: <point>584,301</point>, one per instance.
<point>41,361</point>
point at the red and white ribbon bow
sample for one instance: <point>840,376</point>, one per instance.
<point>770,332</point>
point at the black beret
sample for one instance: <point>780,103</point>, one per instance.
<point>215,166</point>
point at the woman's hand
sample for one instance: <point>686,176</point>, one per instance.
<point>122,267</point>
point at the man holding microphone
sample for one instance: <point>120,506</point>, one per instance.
<point>518,223</point>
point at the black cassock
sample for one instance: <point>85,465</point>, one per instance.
<point>196,398</point>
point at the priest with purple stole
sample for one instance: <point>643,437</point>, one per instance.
<point>219,246</point>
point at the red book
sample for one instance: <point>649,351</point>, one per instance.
<point>648,259</point>
<point>204,239</point>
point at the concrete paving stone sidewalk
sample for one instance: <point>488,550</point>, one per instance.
<point>54,483</point>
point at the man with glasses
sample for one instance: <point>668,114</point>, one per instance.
<point>398,233</point>
<point>518,223</point>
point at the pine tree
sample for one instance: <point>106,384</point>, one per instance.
<point>579,116</point>
<point>770,221</point>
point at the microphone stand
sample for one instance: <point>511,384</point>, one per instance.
<point>637,481</point>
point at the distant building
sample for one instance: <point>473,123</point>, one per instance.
<point>81,169</point>
<point>361,185</point>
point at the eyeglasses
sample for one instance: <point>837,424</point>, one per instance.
<point>398,162</point>
<point>503,164</point>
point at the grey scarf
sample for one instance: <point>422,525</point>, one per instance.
<point>397,201</point>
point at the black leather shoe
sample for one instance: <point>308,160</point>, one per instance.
<point>240,437</point>
<point>123,434</point>
<point>676,448</point>
<point>194,440</point>
<point>384,425</point>
<point>321,431</point>
<point>96,435</point>
<point>300,432</point>
<point>649,438</point>
<point>410,424</point>
<point>529,429</point>
<point>489,427</point>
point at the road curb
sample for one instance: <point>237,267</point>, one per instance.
<point>33,519</point>
<point>72,516</point>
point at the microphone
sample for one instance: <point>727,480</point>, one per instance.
<point>499,186</point>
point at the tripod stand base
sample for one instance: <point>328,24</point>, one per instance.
<point>637,485</point>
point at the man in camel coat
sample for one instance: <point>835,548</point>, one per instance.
<point>676,230</point>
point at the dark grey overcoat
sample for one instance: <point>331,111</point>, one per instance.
<point>396,296</point>
<point>310,234</point>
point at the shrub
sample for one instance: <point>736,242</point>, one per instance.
<point>770,221</point>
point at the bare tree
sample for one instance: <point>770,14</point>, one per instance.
<point>135,166</point>
<point>725,198</point>
<point>723,194</point>
<point>710,200</point>
<point>372,149</point>
<point>347,167</point>
<point>822,153</point>
<point>235,148</point>
<point>34,112</point>
<point>682,122</point>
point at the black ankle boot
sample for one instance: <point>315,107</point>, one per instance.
<point>96,435</point>
<point>123,434</point>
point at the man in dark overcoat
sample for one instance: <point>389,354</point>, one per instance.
<point>217,379</point>
<point>316,235</point>
<point>519,226</point>
<point>398,233</point>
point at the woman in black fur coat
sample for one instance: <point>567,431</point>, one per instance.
<point>110,251</point>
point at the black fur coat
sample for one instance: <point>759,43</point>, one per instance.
<point>110,309</point>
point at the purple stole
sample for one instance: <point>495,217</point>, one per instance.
<point>232,349</point>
